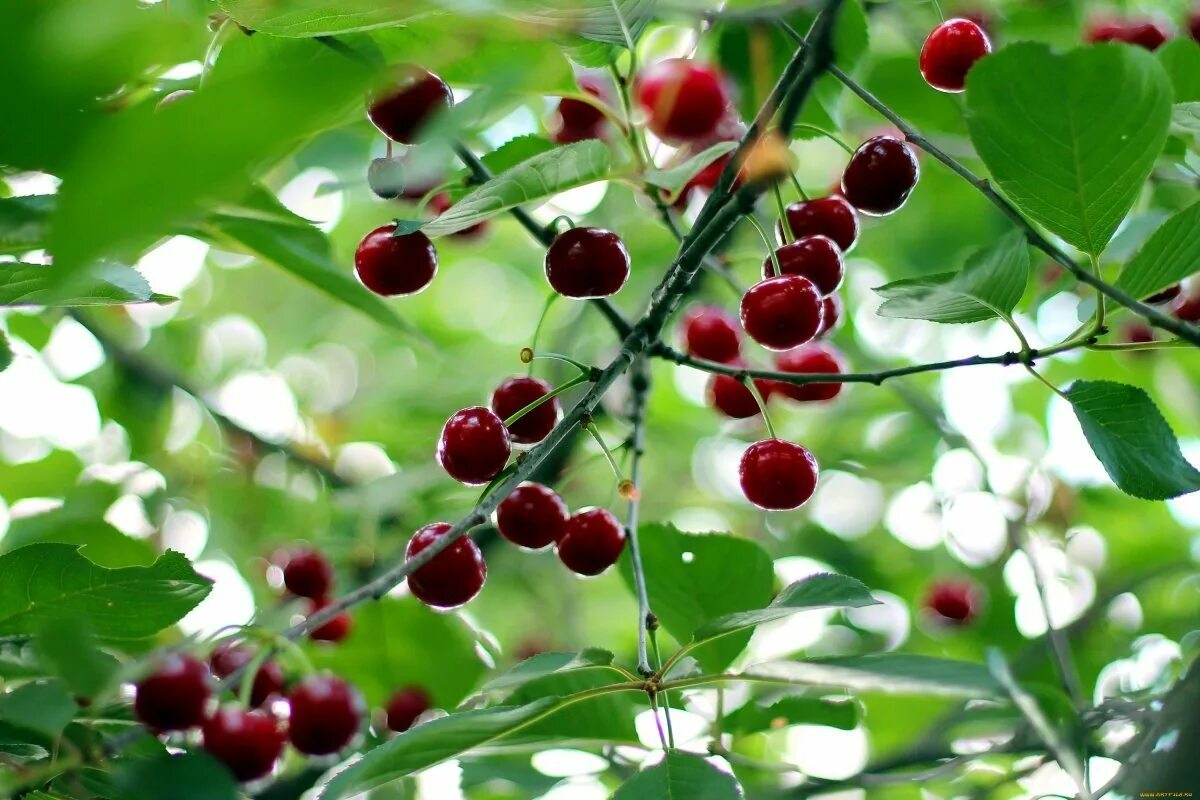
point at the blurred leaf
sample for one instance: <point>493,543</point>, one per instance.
<point>675,178</point>
<point>823,590</point>
<point>46,581</point>
<point>1171,254</point>
<point>607,718</point>
<point>104,284</point>
<point>182,776</point>
<point>1185,118</point>
<point>597,20</point>
<point>69,651</point>
<point>1070,138</point>
<point>300,18</point>
<point>1180,57</point>
<point>680,776</point>
<point>44,707</point>
<point>543,664</point>
<point>6,353</point>
<point>23,222</point>
<point>80,523</point>
<point>1135,444</point>
<point>887,673</point>
<point>753,717</point>
<point>990,285</point>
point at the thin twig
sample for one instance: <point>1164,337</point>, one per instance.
<point>640,390</point>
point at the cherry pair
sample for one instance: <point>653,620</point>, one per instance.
<point>308,573</point>
<point>534,517</point>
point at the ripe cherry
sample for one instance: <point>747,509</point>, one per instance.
<point>811,358</point>
<point>405,108</point>
<point>1137,333</point>
<point>1187,307</point>
<point>516,393</point>
<point>326,715</point>
<point>816,257</point>
<point>587,263</point>
<point>308,573</point>
<point>778,475</point>
<point>592,542</point>
<point>474,446</point>
<point>229,657</point>
<point>395,265</point>
<point>1145,34</point>
<point>880,176</point>
<point>577,120</point>
<point>1194,25</point>
<point>335,629</point>
<point>711,333</point>
<point>831,315</point>
<point>405,706</point>
<point>826,216</point>
<point>454,576</point>
<point>247,742</point>
<point>950,51</point>
<point>1104,29</point>
<point>533,516</point>
<point>731,397</point>
<point>175,696</point>
<point>955,601</point>
<point>704,180</point>
<point>683,100</point>
<point>1166,295</point>
<point>440,203</point>
<point>782,312</point>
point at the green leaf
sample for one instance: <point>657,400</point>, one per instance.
<point>675,178</point>
<point>990,285</point>
<point>300,18</point>
<point>1171,254</point>
<point>680,776</point>
<point>1181,59</point>
<point>886,673</point>
<point>23,222</point>
<point>823,590</point>
<point>102,285</point>
<point>80,523</point>
<point>6,353</point>
<point>530,182</point>
<point>46,581</point>
<point>590,30</point>
<point>68,650</point>
<point>1135,444</point>
<point>1185,119</point>
<point>44,707</point>
<point>604,718</point>
<point>503,158</point>
<point>183,776</point>
<point>1070,137</point>
<point>543,664</point>
<point>753,718</point>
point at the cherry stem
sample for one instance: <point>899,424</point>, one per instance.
<point>295,652</point>
<point>782,206</point>
<point>803,196</point>
<point>553,224</point>
<point>584,369</point>
<point>571,384</point>
<point>537,329</point>
<point>496,481</point>
<point>666,699</point>
<point>762,232</point>
<point>749,383</point>
<point>246,687</point>
<point>591,428</point>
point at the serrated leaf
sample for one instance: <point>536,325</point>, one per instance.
<point>543,664</point>
<point>886,673</point>
<point>751,718</point>
<point>680,776</point>
<point>503,158</point>
<point>69,651</point>
<point>1072,137</point>
<point>990,285</point>
<point>675,178</point>
<point>24,222</point>
<point>104,284</point>
<point>1171,254</point>
<point>1135,444</point>
<point>823,590</point>
<point>44,707</point>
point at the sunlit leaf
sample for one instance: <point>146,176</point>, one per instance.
<point>680,776</point>
<point>823,590</point>
<point>105,284</point>
<point>886,673</point>
<point>543,664</point>
<point>1171,254</point>
<point>675,178</point>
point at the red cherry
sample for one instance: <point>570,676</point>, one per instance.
<point>711,333</point>
<point>731,397</point>
<point>335,629</point>
<point>831,315</point>
<point>1194,25</point>
<point>1187,307</point>
<point>1104,29</point>
<point>950,51</point>
<point>782,312</point>
<point>705,180</point>
<point>247,742</point>
<point>174,697</point>
<point>810,358</point>
<point>454,576</point>
<point>955,601</point>
<point>308,573</point>
<point>1166,295</point>
<point>326,714</point>
<point>404,109</point>
<point>395,265</point>
<point>683,100</point>
<point>474,446</point>
<point>826,216</point>
<point>586,263</point>
<point>592,542</point>
<point>1137,333</point>
<point>778,475</point>
<point>440,203</point>
<point>228,658</point>
<point>880,176</point>
<point>533,516</point>
<point>405,706</point>
<point>577,120</point>
<point>516,393</point>
<point>1145,34</point>
<point>816,257</point>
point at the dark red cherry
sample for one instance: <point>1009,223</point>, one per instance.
<point>880,176</point>
<point>1194,25</point>
<point>440,203</point>
<point>308,573</point>
<point>1187,306</point>
<point>705,180</point>
<point>831,315</point>
<point>955,601</point>
<point>711,333</point>
<point>335,629</point>
<point>474,446</point>
<point>229,657</point>
<point>592,542</point>
<point>326,714</point>
<point>778,475</point>
<point>826,216</point>
<point>1166,295</point>
<point>175,696</point>
<point>782,312</point>
<point>395,265</point>
<point>577,120</point>
<point>587,263</point>
<point>405,706</point>
<point>402,110</point>
<point>816,257</point>
<point>454,576</point>
<point>1137,333</point>
<point>810,358</point>
<point>683,100</point>
<point>533,516</point>
<point>950,51</point>
<point>731,397</point>
<point>247,742</point>
<point>385,176</point>
<point>516,393</point>
<point>1145,34</point>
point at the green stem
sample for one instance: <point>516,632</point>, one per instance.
<point>762,404</point>
<point>800,191</point>
<point>665,697</point>
<point>537,330</point>
<point>762,232</point>
<point>584,369</point>
<point>827,134</point>
<point>546,398</point>
<point>782,206</point>
<point>594,432</point>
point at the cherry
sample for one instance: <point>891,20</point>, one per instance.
<point>533,516</point>
<point>807,359</point>
<point>335,629</point>
<point>454,576</point>
<point>816,257</point>
<point>828,216</point>
<point>592,542</point>
<point>1187,307</point>
<point>731,397</point>
<point>1104,30</point>
<point>586,263</point>
<point>474,446</point>
<point>395,265</point>
<point>175,696</point>
<point>1194,25</point>
<point>711,333</point>
<point>1137,333</point>
<point>831,314</point>
<point>402,111</point>
<point>950,51</point>
<point>683,100</point>
<point>326,714</point>
<point>955,601</point>
<point>1166,295</point>
<point>247,742</point>
<point>405,706</point>
<point>228,658</point>
<point>440,203</point>
<point>308,573</point>
<point>577,120</point>
<point>516,393</point>
<point>385,176</point>
<point>777,475</point>
<point>880,176</point>
<point>1145,34</point>
<point>782,312</point>
<point>705,180</point>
